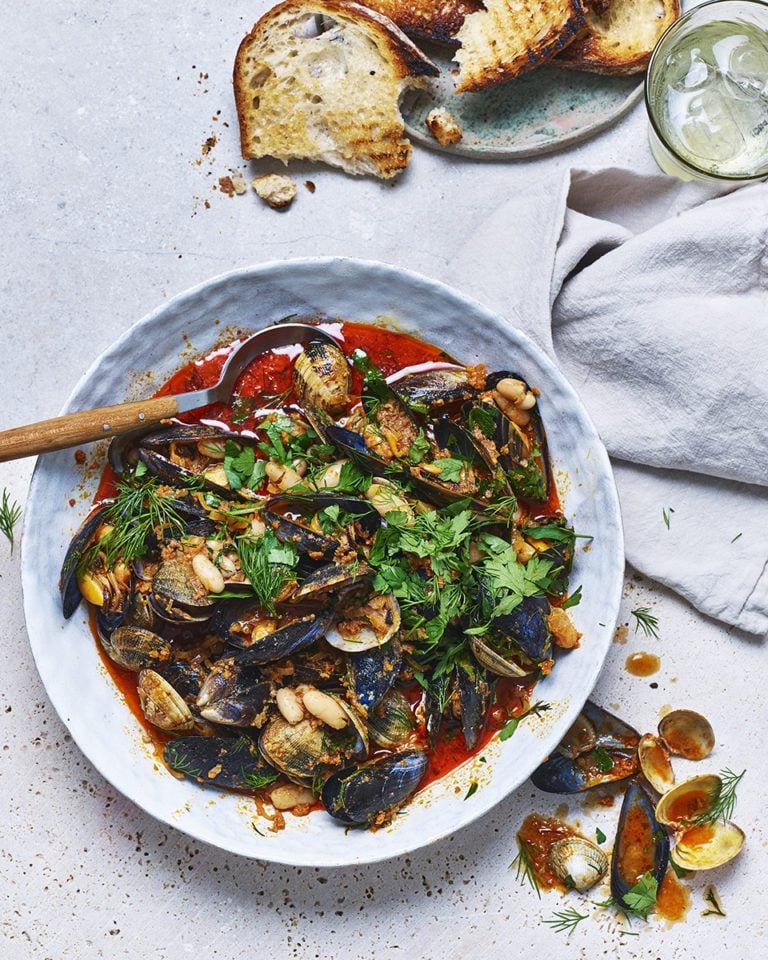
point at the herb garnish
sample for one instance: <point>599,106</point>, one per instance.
<point>10,512</point>
<point>472,790</point>
<point>603,760</point>
<point>565,921</point>
<point>646,621</point>
<point>511,725</point>
<point>242,468</point>
<point>641,899</point>
<point>665,513</point>
<point>268,565</point>
<point>254,780</point>
<point>599,835</point>
<point>525,871</point>
<point>715,907</point>
<point>724,801</point>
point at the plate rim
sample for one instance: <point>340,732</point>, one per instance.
<point>486,803</point>
<point>536,150</point>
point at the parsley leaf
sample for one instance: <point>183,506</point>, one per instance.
<point>449,469</point>
<point>641,899</point>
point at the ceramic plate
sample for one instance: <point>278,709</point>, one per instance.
<point>540,112</point>
<point>84,694</point>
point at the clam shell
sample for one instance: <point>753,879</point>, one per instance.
<point>378,620</point>
<point>578,861</point>
<point>688,800</point>
<point>654,762</point>
<point>708,845</point>
<point>161,704</point>
<point>687,734</point>
<point>580,738</point>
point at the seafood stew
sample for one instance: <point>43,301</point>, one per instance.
<point>338,587</point>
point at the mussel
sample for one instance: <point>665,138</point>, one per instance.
<point>234,695</point>
<point>474,697</point>
<point>322,377</point>
<point>435,388</point>
<point>219,762</point>
<point>641,846</point>
<point>368,794</point>
<point>599,748</point>
<point>296,630</point>
<point>373,672</point>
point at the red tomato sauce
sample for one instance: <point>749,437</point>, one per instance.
<point>269,377</point>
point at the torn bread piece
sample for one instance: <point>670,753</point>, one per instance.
<point>275,189</point>
<point>443,126</point>
<point>511,37</point>
<point>328,93</point>
<point>435,20</point>
<point>620,40</point>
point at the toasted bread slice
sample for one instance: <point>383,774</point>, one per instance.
<point>620,40</point>
<point>511,37</point>
<point>435,20</point>
<point>330,96</point>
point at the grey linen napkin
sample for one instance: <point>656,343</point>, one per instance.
<point>652,296</point>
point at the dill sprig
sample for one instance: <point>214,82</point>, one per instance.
<point>268,565</point>
<point>139,510</point>
<point>525,869</point>
<point>10,512</point>
<point>566,921</point>
<point>724,802</point>
<point>715,908</point>
<point>646,621</point>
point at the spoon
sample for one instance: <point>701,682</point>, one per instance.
<point>75,428</point>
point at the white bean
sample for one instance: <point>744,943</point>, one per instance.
<point>207,573</point>
<point>330,476</point>
<point>289,705</point>
<point>290,795</point>
<point>283,477</point>
<point>511,389</point>
<point>258,527</point>
<point>325,708</point>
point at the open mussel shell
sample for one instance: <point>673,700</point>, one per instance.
<point>232,762</point>
<point>360,626</point>
<point>687,734</point>
<point>185,678</point>
<point>294,635</point>
<point>689,800</point>
<point>332,576</point>
<point>527,626</point>
<point>707,845</point>
<point>287,517</point>
<point>653,757</point>
<point>322,377</point>
<point>641,845</point>
<point>68,585</point>
<point>436,698</point>
<point>299,750</point>
<point>391,723</point>
<point>367,794</point>
<point>435,388</point>
<point>474,692</point>
<point>354,446</point>
<point>134,648</point>
<point>235,696</point>
<point>373,672</point>
<point>500,657</point>
<point>577,862</point>
<point>161,704</point>
<point>599,748</point>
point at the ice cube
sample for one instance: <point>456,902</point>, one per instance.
<point>687,69</point>
<point>706,126</point>
<point>743,62</point>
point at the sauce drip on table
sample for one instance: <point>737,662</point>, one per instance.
<point>642,664</point>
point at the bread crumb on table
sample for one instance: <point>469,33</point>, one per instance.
<point>443,127</point>
<point>276,189</point>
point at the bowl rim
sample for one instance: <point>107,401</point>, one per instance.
<point>272,853</point>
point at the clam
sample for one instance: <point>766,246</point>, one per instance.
<point>653,756</point>
<point>161,704</point>
<point>299,750</point>
<point>577,862</point>
<point>175,582</point>
<point>322,377</point>
<point>365,795</point>
<point>689,800</point>
<point>707,845</point>
<point>580,738</point>
<point>687,734</point>
<point>134,648</point>
<point>364,625</point>
<point>391,723</point>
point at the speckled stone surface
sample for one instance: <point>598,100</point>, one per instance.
<point>103,215</point>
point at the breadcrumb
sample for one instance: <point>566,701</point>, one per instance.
<point>443,127</point>
<point>276,189</point>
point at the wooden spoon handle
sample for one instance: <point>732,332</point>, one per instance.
<point>74,428</point>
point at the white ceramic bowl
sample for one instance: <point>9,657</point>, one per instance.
<point>84,694</point>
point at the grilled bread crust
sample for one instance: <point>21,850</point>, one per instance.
<point>435,20</point>
<point>330,96</point>
<point>510,37</point>
<point>620,40</point>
